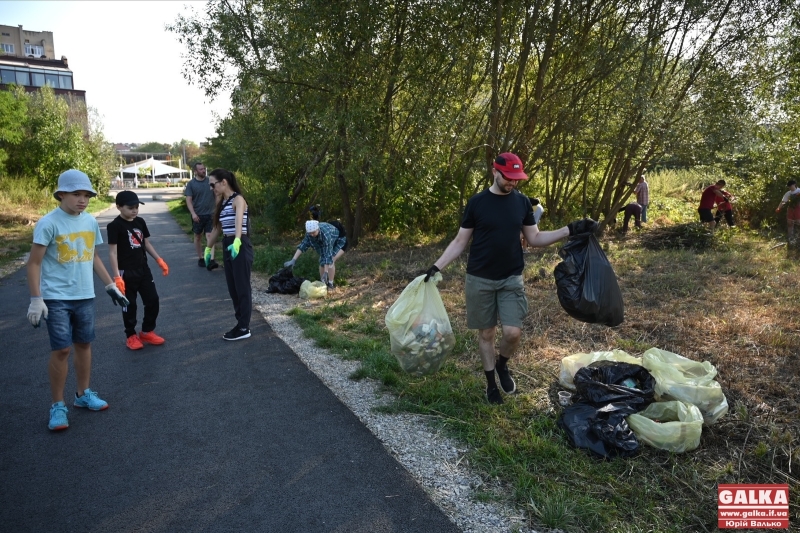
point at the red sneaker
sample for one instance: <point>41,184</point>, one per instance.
<point>150,337</point>
<point>134,343</point>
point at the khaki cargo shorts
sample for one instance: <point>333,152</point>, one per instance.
<point>489,299</point>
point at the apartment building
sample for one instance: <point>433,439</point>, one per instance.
<point>28,59</point>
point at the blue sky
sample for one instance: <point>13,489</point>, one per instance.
<point>106,42</point>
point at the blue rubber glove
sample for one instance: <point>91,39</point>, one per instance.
<point>207,255</point>
<point>234,248</point>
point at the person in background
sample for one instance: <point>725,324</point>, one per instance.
<point>538,210</point>
<point>711,195</point>
<point>128,246</point>
<point>328,242</point>
<point>61,284</point>
<point>642,191</point>
<point>725,209</point>
<point>200,202</point>
<point>231,220</point>
<point>494,287</point>
<point>634,210</point>
<point>792,199</point>
<point>315,211</point>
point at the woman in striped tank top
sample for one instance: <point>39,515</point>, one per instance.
<point>231,221</point>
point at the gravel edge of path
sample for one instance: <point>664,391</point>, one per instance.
<point>435,461</point>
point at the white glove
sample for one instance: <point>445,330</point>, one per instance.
<point>116,296</point>
<point>36,311</point>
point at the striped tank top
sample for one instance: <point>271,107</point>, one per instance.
<point>227,217</point>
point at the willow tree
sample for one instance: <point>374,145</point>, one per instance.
<point>391,113</point>
<point>346,101</point>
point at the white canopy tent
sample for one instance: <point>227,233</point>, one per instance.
<point>155,167</point>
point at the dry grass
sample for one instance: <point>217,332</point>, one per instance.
<point>734,306</point>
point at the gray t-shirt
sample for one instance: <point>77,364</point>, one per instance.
<point>202,196</point>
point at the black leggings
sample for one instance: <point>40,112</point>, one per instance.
<point>237,275</point>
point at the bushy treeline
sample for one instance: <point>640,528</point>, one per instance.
<point>42,135</point>
<point>390,113</point>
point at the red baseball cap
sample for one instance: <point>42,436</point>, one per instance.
<point>510,166</point>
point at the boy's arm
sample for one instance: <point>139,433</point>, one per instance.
<point>100,270</point>
<point>37,308</point>
<point>151,250</point>
<point>34,269</point>
<point>113,260</point>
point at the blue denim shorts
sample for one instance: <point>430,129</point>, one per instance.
<point>70,321</point>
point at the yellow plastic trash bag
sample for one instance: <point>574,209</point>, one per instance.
<point>313,289</point>
<point>572,363</point>
<point>672,426</point>
<point>679,378</point>
<point>419,328</point>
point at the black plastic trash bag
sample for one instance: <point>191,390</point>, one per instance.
<point>285,282</point>
<point>586,284</point>
<point>608,391</point>
<point>604,382</point>
<point>603,431</point>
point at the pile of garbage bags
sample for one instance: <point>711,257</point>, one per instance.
<point>661,399</point>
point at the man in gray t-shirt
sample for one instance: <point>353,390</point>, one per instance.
<point>200,201</point>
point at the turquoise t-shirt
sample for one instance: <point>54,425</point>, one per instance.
<point>68,264</point>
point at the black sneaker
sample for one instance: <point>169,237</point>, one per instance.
<point>506,381</point>
<point>330,285</point>
<point>237,334</point>
<point>493,395</point>
<point>212,265</point>
<point>201,262</point>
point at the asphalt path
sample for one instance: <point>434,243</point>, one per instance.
<point>200,434</point>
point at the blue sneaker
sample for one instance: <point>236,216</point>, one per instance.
<point>58,417</point>
<point>90,401</point>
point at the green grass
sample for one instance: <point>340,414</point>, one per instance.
<point>709,306</point>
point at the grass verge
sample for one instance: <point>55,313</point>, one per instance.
<point>730,304</point>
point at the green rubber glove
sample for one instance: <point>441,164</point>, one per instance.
<point>207,255</point>
<point>234,248</point>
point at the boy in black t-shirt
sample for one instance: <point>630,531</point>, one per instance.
<point>128,240</point>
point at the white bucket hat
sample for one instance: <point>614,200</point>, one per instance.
<point>73,180</point>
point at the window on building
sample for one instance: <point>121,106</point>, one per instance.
<point>51,80</point>
<point>34,50</point>
<point>37,79</point>
<point>65,82</point>
<point>7,76</point>
<point>23,78</point>
<point>8,48</point>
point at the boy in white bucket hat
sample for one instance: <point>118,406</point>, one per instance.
<point>60,281</point>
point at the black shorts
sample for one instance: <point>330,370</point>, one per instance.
<point>705,215</point>
<point>203,226</point>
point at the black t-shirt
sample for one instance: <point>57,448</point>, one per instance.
<point>129,238</point>
<point>496,220</point>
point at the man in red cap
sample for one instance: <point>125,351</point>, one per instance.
<point>494,289</point>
